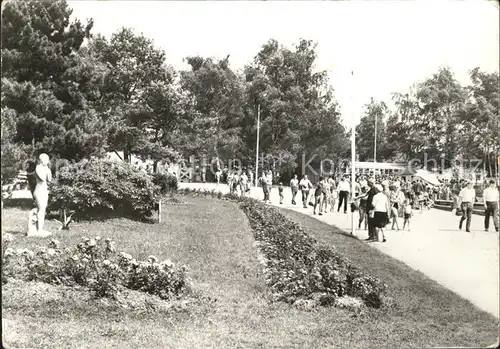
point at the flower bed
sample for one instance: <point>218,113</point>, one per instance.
<point>297,268</point>
<point>95,264</point>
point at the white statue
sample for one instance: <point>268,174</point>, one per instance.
<point>41,196</point>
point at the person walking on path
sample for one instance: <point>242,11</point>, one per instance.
<point>244,184</point>
<point>218,175</point>
<point>294,185</point>
<point>250,178</point>
<point>230,180</point>
<point>397,199</point>
<point>369,201</point>
<point>466,200</point>
<point>280,192</point>
<point>236,183</point>
<point>418,189</point>
<point>333,192</point>
<point>407,213</point>
<point>319,196</point>
<point>326,195</point>
<point>344,190</point>
<point>305,185</point>
<point>269,179</point>
<point>491,197</point>
<point>263,183</point>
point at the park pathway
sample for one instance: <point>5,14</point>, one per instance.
<point>466,263</point>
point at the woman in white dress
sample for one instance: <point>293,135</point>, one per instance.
<point>41,192</point>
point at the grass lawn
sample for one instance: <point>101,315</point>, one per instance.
<point>214,239</point>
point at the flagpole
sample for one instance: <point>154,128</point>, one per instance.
<point>353,153</point>
<point>257,149</point>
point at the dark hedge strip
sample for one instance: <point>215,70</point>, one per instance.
<point>297,268</point>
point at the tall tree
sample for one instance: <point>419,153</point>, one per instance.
<point>375,117</point>
<point>49,82</point>
<point>138,99</point>
<point>481,120</point>
<point>441,99</point>
<point>213,110</point>
<point>403,135</point>
<point>296,103</point>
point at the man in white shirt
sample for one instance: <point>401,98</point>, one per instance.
<point>491,197</point>
<point>236,182</point>
<point>362,182</point>
<point>466,200</point>
<point>397,183</point>
<point>305,185</point>
<point>344,189</point>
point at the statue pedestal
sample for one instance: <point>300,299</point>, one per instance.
<point>32,230</point>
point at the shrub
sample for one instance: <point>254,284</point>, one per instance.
<point>166,182</point>
<point>94,264</point>
<point>97,188</point>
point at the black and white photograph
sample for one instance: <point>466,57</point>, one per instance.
<point>250,174</point>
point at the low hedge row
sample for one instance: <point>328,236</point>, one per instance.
<point>297,268</point>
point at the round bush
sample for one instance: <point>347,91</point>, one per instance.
<point>98,188</point>
<point>166,182</point>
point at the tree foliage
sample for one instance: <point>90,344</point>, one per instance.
<point>138,99</point>
<point>298,112</point>
<point>49,82</point>
<point>448,121</point>
<point>75,95</point>
<point>214,101</point>
<point>373,119</point>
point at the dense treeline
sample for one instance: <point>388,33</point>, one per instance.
<point>440,118</point>
<point>75,94</point>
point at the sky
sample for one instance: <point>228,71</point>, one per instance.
<point>389,45</point>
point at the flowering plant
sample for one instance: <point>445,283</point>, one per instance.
<point>94,263</point>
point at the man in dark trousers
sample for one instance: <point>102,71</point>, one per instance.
<point>344,189</point>
<point>418,189</point>
<point>369,199</point>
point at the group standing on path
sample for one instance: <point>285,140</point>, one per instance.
<point>379,201</point>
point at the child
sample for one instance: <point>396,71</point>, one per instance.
<point>217,176</point>
<point>280,191</point>
<point>407,213</point>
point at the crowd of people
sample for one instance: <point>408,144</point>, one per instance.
<point>379,200</point>
<point>239,181</point>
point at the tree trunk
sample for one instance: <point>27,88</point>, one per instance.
<point>489,165</point>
